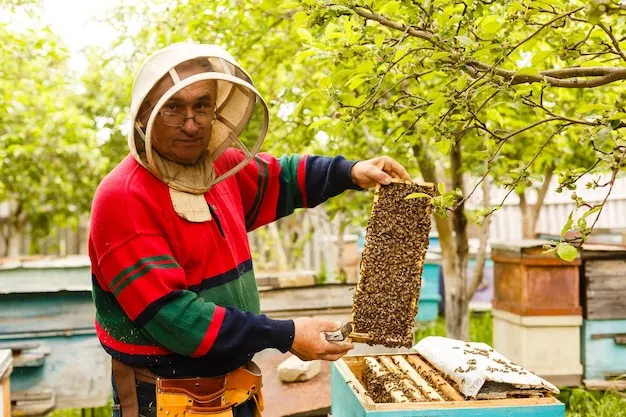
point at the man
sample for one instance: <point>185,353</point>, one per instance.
<point>176,299</point>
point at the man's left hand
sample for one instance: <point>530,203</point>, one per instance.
<point>381,170</point>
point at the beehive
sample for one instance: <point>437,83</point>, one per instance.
<point>385,300</point>
<point>5,371</point>
<point>353,378</point>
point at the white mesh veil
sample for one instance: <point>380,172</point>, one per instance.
<point>236,101</point>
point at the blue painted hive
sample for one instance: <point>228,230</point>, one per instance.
<point>430,297</point>
<point>350,398</point>
<point>47,321</point>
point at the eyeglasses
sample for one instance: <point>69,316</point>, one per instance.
<point>172,119</point>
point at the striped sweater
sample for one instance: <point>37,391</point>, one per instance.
<point>178,297</point>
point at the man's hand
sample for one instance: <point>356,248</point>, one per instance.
<point>309,342</point>
<point>381,170</point>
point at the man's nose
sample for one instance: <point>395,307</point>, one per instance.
<point>190,127</point>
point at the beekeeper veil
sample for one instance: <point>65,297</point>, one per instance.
<point>239,119</point>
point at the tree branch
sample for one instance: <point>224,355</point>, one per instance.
<point>556,78</point>
<point>614,41</point>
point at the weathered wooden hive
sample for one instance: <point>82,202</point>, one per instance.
<point>385,300</point>
<point>473,382</point>
<point>603,296</point>
<point>47,322</point>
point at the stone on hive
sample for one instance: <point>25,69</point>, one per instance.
<point>385,301</point>
<point>293,369</point>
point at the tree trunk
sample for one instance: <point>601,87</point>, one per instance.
<point>457,314</point>
<point>530,214</point>
<point>457,302</point>
<point>479,269</point>
<point>340,273</point>
<point>526,215</point>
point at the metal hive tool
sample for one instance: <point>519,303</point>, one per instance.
<point>385,300</point>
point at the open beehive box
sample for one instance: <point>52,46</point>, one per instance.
<point>474,381</point>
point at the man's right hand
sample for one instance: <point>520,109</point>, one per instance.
<point>309,342</point>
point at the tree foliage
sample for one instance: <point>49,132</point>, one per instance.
<point>49,162</point>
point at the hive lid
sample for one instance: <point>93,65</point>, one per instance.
<point>519,245</point>
<point>474,366</point>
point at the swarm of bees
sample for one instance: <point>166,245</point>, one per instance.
<point>385,301</point>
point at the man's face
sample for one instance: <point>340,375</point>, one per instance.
<point>186,143</point>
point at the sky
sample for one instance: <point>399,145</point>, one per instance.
<point>74,21</point>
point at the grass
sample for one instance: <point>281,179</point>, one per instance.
<point>578,402</point>
<point>481,328</point>
<point>582,403</point>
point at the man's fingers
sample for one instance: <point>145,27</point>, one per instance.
<point>329,325</point>
<point>394,167</point>
<point>378,175</point>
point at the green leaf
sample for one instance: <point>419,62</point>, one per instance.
<point>300,104</point>
<point>379,39</point>
<point>301,18</point>
<point>566,252</point>
<point>439,55</point>
<point>490,25</point>
<point>568,225</point>
<point>441,187</point>
<point>443,145</point>
<point>461,82</point>
<point>416,195</point>
<point>464,40</point>
<point>289,5</point>
<point>304,35</point>
<point>617,116</point>
<point>515,7</point>
<point>527,71</point>
<point>436,106</point>
<point>356,81</point>
<point>592,211</point>
<point>495,115</point>
<point>390,7</point>
<point>541,56</point>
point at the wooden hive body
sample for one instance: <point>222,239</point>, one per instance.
<point>529,282</point>
<point>603,287</point>
<point>385,300</point>
<point>349,398</point>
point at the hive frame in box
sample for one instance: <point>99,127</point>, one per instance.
<point>349,398</point>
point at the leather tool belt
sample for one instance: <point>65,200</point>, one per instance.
<point>189,397</point>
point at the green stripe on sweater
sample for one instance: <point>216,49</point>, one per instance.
<point>263,180</point>
<point>241,293</point>
<point>137,265</point>
<point>181,324</point>
<point>143,271</point>
<point>112,318</point>
<point>289,180</point>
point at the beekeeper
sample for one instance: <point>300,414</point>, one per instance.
<point>173,283</point>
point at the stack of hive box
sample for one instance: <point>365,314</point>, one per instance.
<point>537,316</point>
<point>603,282</point>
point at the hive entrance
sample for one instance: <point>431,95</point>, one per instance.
<point>385,300</point>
